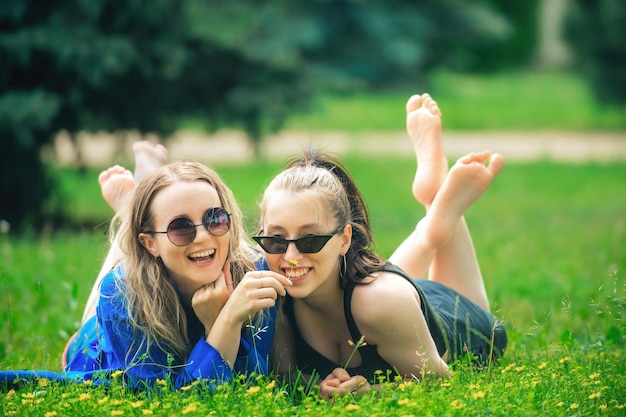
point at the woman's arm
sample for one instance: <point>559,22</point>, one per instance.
<point>389,315</point>
<point>123,347</point>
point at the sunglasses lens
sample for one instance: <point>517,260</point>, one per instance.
<point>311,244</point>
<point>217,221</point>
<point>273,244</point>
<point>181,231</point>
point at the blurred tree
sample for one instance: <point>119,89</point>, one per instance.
<point>114,65</point>
<point>596,30</point>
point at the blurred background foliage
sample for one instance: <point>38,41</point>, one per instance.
<point>137,65</point>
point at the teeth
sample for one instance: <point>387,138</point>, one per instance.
<point>202,254</point>
<point>297,273</point>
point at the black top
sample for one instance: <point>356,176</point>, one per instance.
<point>308,359</point>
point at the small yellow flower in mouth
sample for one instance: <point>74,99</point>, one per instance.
<point>293,262</point>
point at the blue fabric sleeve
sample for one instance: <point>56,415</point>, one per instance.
<point>127,350</point>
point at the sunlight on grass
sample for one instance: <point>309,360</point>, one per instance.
<point>504,101</point>
<point>550,240</point>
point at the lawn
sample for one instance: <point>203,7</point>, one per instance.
<point>551,242</point>
<point>526,100</point>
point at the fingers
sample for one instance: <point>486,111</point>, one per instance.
<point>331,386</point>
<point>266,279</point>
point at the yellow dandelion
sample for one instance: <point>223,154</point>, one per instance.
<point>161,382</point>
<point>136,404</point>
<point>520,368</point>
<point>116,402</point>
<point>603,407</point>
<point>50,414</point>
<point>117,373</point>
<point>508,367</point>
<point>560,404</point>
<point>563,360</point>
<point>186,387</point>
<point>147,412</point>
<point>508,385</point>
<point>253,390</point>
<point>457,404</point>
<point>352,407</point>
<point>10,394</point>
<point>271,385</point>
<point>478,394</point>
<point>28,395</point>
<point>103,400</point>
<point>595,395</point>
<point>39,400</point>
<point>474,386</point>
<point>573,406</point>
<point>293,263</point>
<point>117,412</point>
<point>43,382</point>
<point>405,385</point>
<point>542,365</point>
<point>84,396</point>
<point>190,408</point>
<point>88,383</point>
<point>403,401</point>
<point>594,375</point>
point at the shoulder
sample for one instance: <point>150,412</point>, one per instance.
<point>387,296</point>
<point>112,282</point>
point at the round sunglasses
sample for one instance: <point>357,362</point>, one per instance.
<point>305,244</point>
<point>182,231</point>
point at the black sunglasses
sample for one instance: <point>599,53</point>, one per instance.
<point>304,244</point>
<point>182,231</point>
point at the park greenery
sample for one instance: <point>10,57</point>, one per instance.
<point>550,239</point>
<point>117,66</point>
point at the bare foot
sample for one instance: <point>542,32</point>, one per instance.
<point>116,184</point>
<point>148,157</point>
<point>423,123</point>
<point>467,180</point>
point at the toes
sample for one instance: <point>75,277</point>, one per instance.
<point>496,163</point>
<point>415,101</point>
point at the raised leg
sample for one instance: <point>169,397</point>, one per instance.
<point>440,247</point>
<point>116,184</point>
<point>423,123</point>
<point>455,263</point>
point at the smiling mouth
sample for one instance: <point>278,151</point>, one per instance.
<point>203,256</point>
<point>296,273</point>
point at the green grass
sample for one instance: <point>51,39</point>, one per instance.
<point>529,100</point>
<point>551,242</point>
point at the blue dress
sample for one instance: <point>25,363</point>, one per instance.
<point>108,343</point>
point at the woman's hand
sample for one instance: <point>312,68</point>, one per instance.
<point>208,301</point>
<point>257,290</point>
<point>339,382</point>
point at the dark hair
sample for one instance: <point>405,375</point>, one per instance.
<point>325,175</point>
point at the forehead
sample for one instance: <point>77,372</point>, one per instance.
<point>296,210</point>
<point>185,197</point>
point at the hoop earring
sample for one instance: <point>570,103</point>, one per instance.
<point>343,267</point>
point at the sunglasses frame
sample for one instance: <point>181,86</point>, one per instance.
<point>204,223</point>
<point>297,241</point>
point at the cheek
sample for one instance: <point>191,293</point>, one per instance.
<point>273,261</point>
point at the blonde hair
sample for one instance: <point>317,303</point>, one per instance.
<point>152,302</point>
